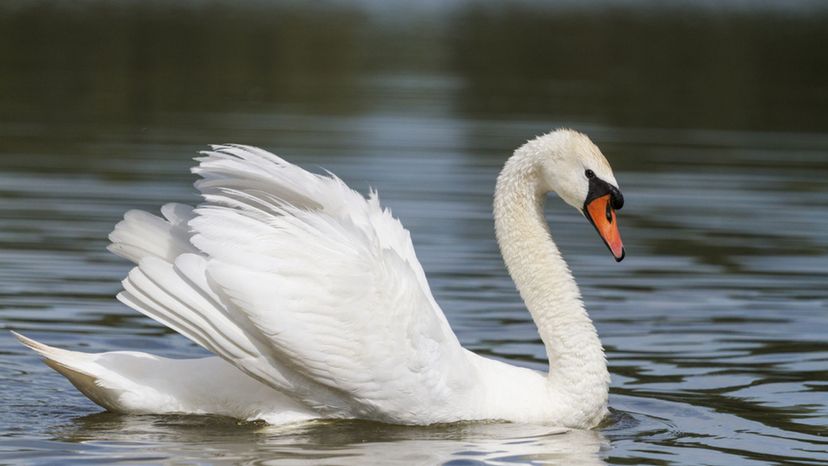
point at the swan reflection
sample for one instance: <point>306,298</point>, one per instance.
<point>221,440</point>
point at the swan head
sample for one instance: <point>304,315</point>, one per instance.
<point>574,168</point>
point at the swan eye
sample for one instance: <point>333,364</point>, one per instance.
<point>590,174</point>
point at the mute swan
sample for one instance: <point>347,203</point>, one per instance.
<point>316,306</point>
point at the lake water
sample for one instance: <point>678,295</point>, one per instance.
<point>714,116</point>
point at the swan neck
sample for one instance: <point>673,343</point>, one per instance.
<point>576,359</point>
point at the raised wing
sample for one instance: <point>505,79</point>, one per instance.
<point>309,287</point>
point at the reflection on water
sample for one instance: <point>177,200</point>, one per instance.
<point>229,442</point>
<point>714,325</point>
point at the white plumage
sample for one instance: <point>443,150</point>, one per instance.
<point>316,306</point>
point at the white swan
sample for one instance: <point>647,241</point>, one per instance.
<point>314,302</point>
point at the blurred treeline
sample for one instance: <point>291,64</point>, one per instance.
<point>679,67</point>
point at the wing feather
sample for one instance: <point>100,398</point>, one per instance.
<point>303,284</point>
<point>330,280</point>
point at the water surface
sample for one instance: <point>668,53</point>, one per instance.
<point>714,325</point>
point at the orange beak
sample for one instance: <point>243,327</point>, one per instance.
<point>600,213</point>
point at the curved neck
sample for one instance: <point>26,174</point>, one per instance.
<point>576,359</point>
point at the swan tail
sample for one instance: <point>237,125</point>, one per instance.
<point>140,383</point>
<point>81,370</point>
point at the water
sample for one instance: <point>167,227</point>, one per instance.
<point>715,325</point>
